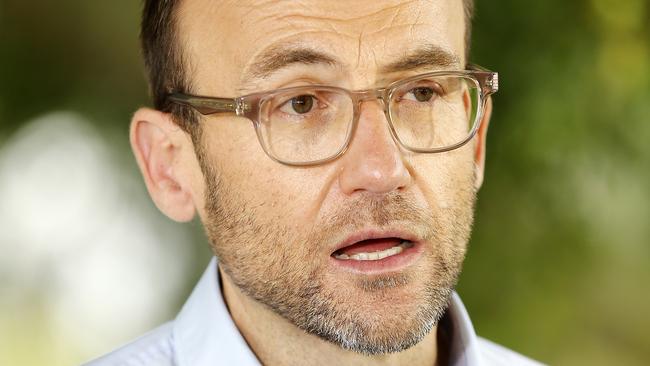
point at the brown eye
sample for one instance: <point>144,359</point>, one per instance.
<point>302,104</point>
<point>422,94</point>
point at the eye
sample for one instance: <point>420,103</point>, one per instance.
<point>300,104</point>
<point>424,93</point>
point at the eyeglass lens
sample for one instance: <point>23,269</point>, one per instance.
<point>311,124</point>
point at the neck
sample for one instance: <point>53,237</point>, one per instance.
<point>276,341</point>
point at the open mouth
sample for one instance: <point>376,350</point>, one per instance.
<point>376,252</point>
<point>373,249</point>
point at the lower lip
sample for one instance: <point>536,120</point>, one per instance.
<point>393,263</point>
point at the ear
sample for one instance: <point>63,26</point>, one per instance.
<point>479,157</point>
<point>158,143</point>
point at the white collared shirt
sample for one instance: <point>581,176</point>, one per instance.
<point>204,334</point>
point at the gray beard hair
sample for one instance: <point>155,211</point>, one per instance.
<point>354,337</point>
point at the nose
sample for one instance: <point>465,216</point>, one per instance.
<point>373,162</point>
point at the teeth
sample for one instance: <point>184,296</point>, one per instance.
<point>360,256</point>
<point>377,255</point>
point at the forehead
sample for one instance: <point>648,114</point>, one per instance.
<point>221,38</point>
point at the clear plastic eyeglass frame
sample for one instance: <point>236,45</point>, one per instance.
<point>249,106</point>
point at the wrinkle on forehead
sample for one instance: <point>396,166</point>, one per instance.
<point>363,33</point>
<point>330,10</point>
<point>403,17</point>
<point>362,18</point>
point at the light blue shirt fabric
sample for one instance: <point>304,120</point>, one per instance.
<point>204,334</point>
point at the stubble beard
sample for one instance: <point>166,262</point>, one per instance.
<point>370,315</point>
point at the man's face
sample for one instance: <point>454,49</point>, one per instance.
<point>277,229</point>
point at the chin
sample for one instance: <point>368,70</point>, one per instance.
<point>382,330</point>
<point>380,315</point>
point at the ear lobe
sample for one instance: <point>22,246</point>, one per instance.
<point>479,157</point>
<point>157,149</point>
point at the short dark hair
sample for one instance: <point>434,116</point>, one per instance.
<point>164,62</point>
<point>166,66</point>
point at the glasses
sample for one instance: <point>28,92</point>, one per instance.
<point>308,125</point>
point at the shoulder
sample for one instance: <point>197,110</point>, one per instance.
<point>493,354</point>
<point>153,348</point>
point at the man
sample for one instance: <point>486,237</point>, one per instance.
<point>333,151</point>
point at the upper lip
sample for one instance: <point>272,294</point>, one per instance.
<point>374,234</point>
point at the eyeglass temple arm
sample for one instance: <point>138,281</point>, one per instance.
<point>489,80</point>
<point>205,105</point>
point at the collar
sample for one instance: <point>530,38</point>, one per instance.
<point>205,334</point>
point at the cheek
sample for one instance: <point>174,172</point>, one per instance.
<point>276,196</point>
<point>279,196</point>
<point>445,178</point>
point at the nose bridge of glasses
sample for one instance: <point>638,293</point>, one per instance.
<point>379,95</point>
<point>368,94</point>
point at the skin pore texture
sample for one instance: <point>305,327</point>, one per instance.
<point>274,227</point>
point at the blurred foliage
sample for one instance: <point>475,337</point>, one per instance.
<point>559,263</point>
<point>78,55</point>
<point>560,258</point>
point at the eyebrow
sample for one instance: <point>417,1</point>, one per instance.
<point>279,57</point>
<point>425,56</point>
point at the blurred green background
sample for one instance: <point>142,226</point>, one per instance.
<point>559,263</point>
